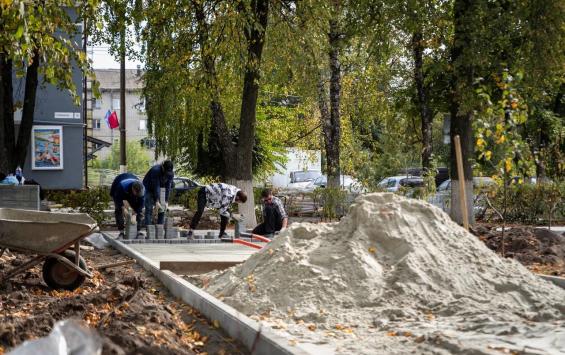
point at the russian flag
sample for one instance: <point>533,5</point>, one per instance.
<point>113,120</point>
<point>107,118</point>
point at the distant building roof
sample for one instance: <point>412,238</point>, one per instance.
<point>109,79</point>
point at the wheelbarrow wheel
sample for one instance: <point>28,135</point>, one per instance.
<point>59,276</point>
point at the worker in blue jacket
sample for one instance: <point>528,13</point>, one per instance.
<point>159,176</point>
<point>127,191</point>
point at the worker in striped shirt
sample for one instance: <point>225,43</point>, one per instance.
<point>274,215</point>
<point>220,196</point>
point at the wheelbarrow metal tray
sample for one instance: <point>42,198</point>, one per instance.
<point>42,232</point>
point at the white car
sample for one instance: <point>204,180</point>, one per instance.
<point>301,179</point>
<point>347,182</point>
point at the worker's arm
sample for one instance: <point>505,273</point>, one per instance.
<point>282,212</point>
<point>168,188</point>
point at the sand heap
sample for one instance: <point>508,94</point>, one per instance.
<point>389,256</point>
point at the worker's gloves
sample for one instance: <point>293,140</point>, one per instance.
<point>133,220</point>
<point>158,205</point>
<point>166,206</point>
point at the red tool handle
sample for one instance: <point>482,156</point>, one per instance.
<point>261,238</point>
<point>249,244</point>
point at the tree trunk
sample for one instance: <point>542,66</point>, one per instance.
<point>332,128</point>
<point>461,80</point>
<point>218,118</point>
<point>8,112</point>
<point>255,32</point>
<point>3,153</point>
<point>422,99</point>
<point>24,132</point>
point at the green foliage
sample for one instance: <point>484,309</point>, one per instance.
<point>92,201</point>
<point>138,162</point>
<point>188,200</point>
<point>333,201</point>
<point>27,29</point>
<point>531,203</point>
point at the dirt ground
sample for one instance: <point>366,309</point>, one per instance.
<point>540,250</point>
<point>131,310</point>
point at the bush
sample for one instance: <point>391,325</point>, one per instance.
<point>334,202</point>
<point>92,201</point>
<point>531,204</point>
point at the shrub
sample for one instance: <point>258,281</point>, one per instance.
<point>92,201</point>
<point>531,204</point>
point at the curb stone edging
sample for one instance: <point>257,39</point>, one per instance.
<point>236,324</point>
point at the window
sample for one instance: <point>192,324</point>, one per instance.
<point>97,103</point>
<point>142,125</point>
<point>115,104</point>
<point>140,106</point>
<point>95,123</point>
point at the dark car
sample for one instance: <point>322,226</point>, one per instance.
<point>182,185</point>
<point>441,176</point>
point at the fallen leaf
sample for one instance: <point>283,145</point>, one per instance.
<point>216,323</point>
<point>372,250</point>
<point>312,327</point>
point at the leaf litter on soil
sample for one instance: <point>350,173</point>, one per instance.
<point>129,308</point>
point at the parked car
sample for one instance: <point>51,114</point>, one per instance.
<point>301,179</point>
<point>347,182</point>
<point>442,197</point>
<point>441,176</point>
<point>182,185</point>
<point>394,183</point>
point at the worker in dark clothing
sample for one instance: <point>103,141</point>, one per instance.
<point>127,191</point>
<point>220,196</point>
<point>159,176</point>
<point>274,215</point>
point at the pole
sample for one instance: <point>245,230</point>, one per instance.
<point>84,109</point>
<point>461,177</point>
<point>123,165</point>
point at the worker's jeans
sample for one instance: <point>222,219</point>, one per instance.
<point>149,204</point>
<point>201,204</point>
<point>119,213</point>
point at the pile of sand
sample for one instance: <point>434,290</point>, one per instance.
<point>389,259</point>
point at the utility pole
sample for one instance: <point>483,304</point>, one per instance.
<point>123,164</point>
<point>84,108</point>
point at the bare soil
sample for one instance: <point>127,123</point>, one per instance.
<point>540,250</point>
<point>130,309</point>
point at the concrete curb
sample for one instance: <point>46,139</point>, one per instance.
<point>237,325</point>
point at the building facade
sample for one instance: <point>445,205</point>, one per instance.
<point>136,118</point>
<point>56,154</point>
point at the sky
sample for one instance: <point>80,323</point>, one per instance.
<point>101,59</point>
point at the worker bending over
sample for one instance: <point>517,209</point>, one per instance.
<point>220,196</point>
<point>159,176</point>
<point>274,215</point>
<point>127,191</point>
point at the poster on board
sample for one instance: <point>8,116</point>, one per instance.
<point>47,148</point>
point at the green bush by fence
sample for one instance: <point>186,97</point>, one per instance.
<point>92,201</point>
<point>531,203</point>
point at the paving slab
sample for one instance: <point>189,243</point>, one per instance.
<point>190,259</point>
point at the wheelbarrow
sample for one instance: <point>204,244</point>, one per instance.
<point>48,236</point>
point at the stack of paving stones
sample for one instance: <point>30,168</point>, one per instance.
<point>131,231</point>
<point>171,232</point>
<point>150,232</point>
